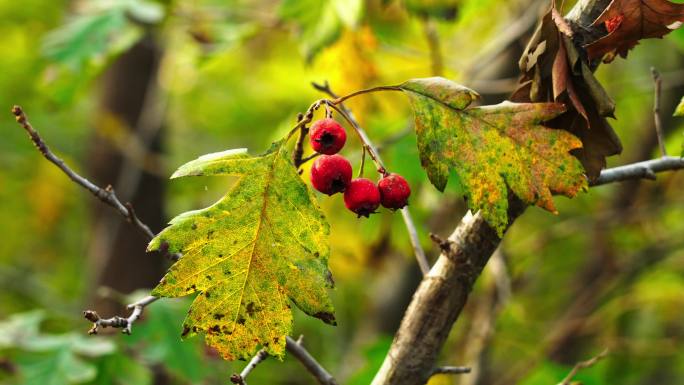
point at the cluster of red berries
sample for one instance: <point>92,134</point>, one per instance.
<point>332,173</point>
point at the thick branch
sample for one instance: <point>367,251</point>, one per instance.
<point>439,300</point>
<point>442,294</point>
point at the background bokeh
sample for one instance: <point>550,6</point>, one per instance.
<point>127,90</point>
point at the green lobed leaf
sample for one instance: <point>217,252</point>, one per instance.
<point>260,246</point>
<point>493,148</point>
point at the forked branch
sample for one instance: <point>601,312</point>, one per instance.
<point>117,321</point>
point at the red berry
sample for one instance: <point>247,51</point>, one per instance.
<point>394,191</point>
<point>362,197</point>
<point>327,136</point>
<point>331,174</point>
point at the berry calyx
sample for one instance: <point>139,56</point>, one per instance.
<point>327,136</point>
<point>362,197</point>
<point>331,174</point>
<point>394,191</point>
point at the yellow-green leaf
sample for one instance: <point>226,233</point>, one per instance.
<point>679,111</point>
<point>492,149</point>
<point>264,244</point>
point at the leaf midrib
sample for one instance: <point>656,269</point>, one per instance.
<point>256,234</point>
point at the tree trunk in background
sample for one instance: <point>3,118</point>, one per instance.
<point>127,110</point>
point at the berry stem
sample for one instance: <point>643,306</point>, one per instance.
<point>363,162</point>
<point>341,99</point>
<point>362,136</point>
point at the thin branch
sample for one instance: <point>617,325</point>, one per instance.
<point>240,379</point>
<point>342,99</point>
<point>640,170</point>
<point>583,365</point>
<point>119,322</point>
<point>450,370</point>
<point>297,350</point>
<point>373,153</point>
<point>658,85</point>
<point>259,357</point>
<point>106,195</point>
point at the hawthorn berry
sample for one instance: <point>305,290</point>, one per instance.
<point>362,197</point>
<point>331,174</point>
<point>327,136</point>
<point>394,191</point>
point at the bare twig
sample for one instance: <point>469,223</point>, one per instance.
<point>373,153</point>
<point>583,365</point>
<point>119,322</point>
<point>106,195</point>
<point>259,357</point>
<point>640,170</point>
<point>297,350</point>
<point>342,99</point>
<point>658,84</point>
<point>450,370</point>
<point>240,379</point>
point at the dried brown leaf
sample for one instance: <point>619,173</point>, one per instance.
<point>628,21</point>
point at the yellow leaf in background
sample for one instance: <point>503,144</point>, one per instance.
<point>350,66</point>
<point>47,191</point>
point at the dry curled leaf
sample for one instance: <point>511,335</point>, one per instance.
<point>558,74</point>
<point>492,149</point>
<point>628,21</point>
<point>259,247</point>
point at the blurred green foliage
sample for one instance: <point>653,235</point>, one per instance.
<point>234,74</point>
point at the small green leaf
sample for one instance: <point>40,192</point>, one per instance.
<point>493,148</point>
<point>49,359</point>
<point>263,244</point>
<point>20,328</point>
<point>88,38</point>
<point>55,367</point>
<point>679,111</point>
